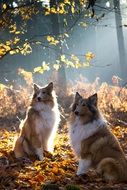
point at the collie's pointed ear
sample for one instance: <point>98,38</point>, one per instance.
<point>50,87</point>
<point>93,99</point>
<point>77,96</point>
<point>36,87</point>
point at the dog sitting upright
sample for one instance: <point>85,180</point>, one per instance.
<point>93,143</point>
<point>39,128</point>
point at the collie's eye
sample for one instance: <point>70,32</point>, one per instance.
<point>83,105</point>
<point>43,92</point>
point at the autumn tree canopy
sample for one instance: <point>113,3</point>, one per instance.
<point>18,36</point>
<point>16,18</point>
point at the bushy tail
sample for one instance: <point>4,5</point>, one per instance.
<point>18,147</point>
<point>112,169</point>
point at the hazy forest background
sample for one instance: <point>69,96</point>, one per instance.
<point>81,46</point>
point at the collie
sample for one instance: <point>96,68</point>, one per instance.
<point>39,128</point>
<point>93,142</point>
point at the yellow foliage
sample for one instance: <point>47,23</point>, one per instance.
<point>69,64</point>
<point>67,2</point>
<point>62,57</point>
<point>16,40</point>
<point>27,12</point>
<point>4,6</point>
<point>12,28</point>
<point>12,52</point>
<point>73,7</point>
<point>26,49</point>
<point>44,67</point>
<point>83,24</point>
<point>2,51</point>
<point>52,40</point>
<point>89,56</point>
<point>65,34</point>
<point>59,10</point>
<point>74,58</point>
<point>38,69</point>
<point>8,43</point>
<point>78,65</point>
<point>56,66</point>
<point>17,32</point>
<point>72,10</point>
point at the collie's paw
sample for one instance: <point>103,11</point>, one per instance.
<point>40,157</point>
<point>24,160</point>
<point>80,173</point>
<point>83,167</point>
<point>39,153</point>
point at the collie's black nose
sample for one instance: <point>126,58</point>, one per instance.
<point>76,112</point>
<point>39,99</point>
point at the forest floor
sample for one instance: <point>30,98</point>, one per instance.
<point>59,168</point>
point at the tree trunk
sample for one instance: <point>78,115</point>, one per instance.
<point>61,76</point>
<point>120,39</point>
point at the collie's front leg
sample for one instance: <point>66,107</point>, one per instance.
<point>37,145</point>
<point>39,153</point>
<point>83,167</point>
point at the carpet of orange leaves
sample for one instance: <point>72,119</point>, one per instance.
<point>60,167</point>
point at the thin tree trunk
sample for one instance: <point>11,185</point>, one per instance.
<point>61,76</point>
<point>120,39</point>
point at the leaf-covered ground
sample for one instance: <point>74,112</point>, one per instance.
<point>59,168</point>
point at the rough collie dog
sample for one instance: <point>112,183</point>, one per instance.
<point>93,143</point>
<point>39,128</point>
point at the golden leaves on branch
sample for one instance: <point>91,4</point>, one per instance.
<point>83,24</point>
<point>60,9</point>
<point>26,49</point>
<point>64,7</point>
<point>89,56</point>
<point>12,47</point>
<point>73,62</point>
<point>56,66</point>
<point>3,49</point>
<point>4,6</point>
<point>26,12</point>
<point>41,69</point>
<point>52,40</point>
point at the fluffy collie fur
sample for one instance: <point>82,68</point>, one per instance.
<point>39,128</point>
<point>93,143</point>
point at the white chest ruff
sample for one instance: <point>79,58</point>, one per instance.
<point>79,132</point>
<point>48,120</point>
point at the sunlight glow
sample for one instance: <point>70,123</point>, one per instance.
<point>107,4</point>
<point>45,2</point>
<point>15,4</point>
<point>123,2</point>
